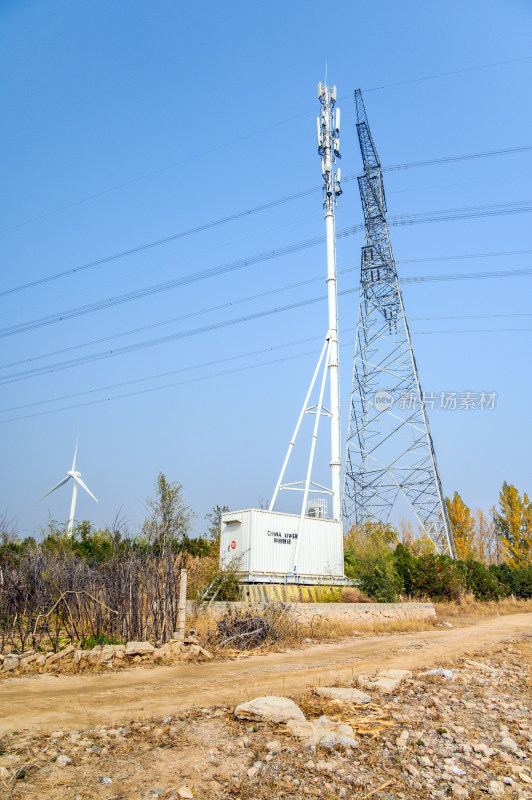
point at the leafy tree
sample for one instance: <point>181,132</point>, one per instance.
<point>197,546</point>
<point>55,537</point>
<point>378,576</point>
<point>215,528</point>
<point>169,520</point>
<point>487,542</point>
<point>513,524</point>
<point>370,536</point>
<point>369,558</point>
<point>406,566</point>
<point>462,526</point>
<point>92,544</point>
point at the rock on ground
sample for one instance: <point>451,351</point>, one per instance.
<point>139,648</point>
<point>270,708</point>
<point>323,731</point>
<point>338,693</point>
<point>386,682</point>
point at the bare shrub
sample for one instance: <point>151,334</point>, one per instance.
<point>245,629</point>
<point>354,595</point>
<point>48,597</point>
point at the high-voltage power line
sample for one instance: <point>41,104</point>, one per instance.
<point>389,446</point>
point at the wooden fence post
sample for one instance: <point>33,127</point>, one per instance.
<point>182,609</point>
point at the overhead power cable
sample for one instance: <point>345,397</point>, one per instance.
<point>30,373</point>
<point>447,74</point>
<point>399,220</point>
<point>222,374</point>
<point>429,162</point>
<point>471,316</point>
<point>475,330</point>
<point>36,371</point>
<point>158,375</point>
<point>253,353</point>
<point>165,386</point>
<point>242,214</point>
<point>124,184</point>
<point>151,326</point>
<point>249,298</point>
<point>157,242</point>
<point>147,291</point>
<point>237,140</point>
<point>469,276</point>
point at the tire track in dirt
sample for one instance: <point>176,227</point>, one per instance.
<point>87,700</point>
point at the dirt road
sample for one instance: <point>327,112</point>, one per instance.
<point>89,700</point>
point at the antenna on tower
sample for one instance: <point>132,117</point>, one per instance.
<point>328,130</point>
<point>268,546</point>
<point>389,446</point>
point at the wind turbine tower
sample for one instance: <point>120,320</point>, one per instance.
<point>76,477</point>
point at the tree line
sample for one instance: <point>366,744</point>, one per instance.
<point>109,581</point>
<point>494,554</point>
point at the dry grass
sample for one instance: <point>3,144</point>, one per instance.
<point>317,629</point>
<point>469,607</point>
<point>324,629</point>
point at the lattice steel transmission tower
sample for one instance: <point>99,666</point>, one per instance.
<point>389,446</point>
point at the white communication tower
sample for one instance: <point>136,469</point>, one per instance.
<point>328,124</point>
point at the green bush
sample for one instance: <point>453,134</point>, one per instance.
<point>513,581</point>
<point>479,580</point>
<point>406,565</point>
<point>436,577</point>
<point>378,576</point>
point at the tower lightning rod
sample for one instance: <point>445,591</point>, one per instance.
<point>329,150</point>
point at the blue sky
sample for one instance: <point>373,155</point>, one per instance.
<point>216,102</point>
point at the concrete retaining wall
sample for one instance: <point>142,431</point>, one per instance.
<point>348,612</point>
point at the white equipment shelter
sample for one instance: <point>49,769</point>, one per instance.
<point>262,545</point>
<point>270,546</point>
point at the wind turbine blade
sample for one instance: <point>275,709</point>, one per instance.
<point>78,480</point>
<point>75,453</point>
<point>53,489</point>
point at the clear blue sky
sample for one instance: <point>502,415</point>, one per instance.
<point>96,95</point>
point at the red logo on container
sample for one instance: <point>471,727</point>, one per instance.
<point>233,545</point>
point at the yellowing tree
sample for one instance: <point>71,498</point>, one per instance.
<point>488,544</point>
<point>463,527</point>
<point>513,525</point>
<point>417,541</point>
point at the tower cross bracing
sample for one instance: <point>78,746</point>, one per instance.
<point>389,446</point>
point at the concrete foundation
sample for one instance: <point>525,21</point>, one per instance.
<point>347,612</point>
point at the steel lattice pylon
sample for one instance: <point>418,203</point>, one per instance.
<point>389,446</point>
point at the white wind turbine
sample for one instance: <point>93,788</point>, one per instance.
<point>76,476</point>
